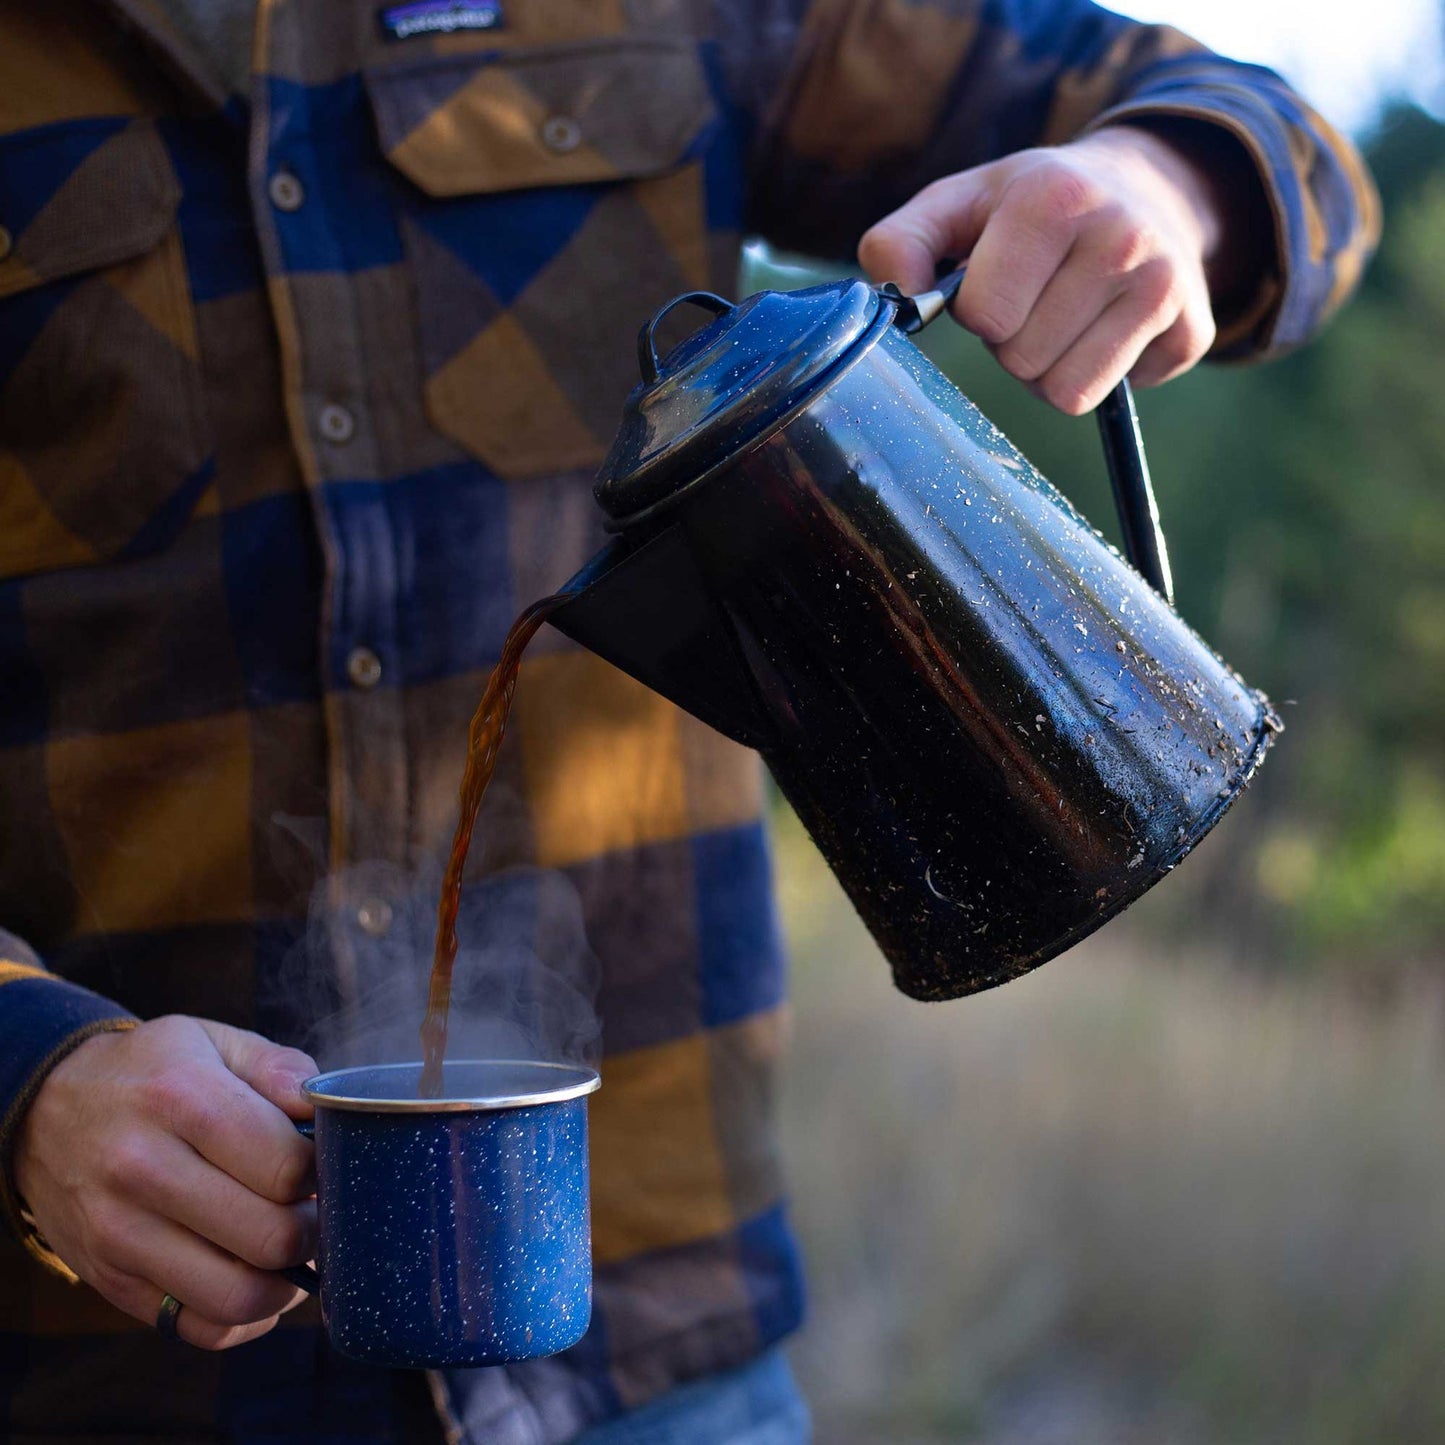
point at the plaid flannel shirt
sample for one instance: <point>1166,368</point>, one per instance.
<point>300,397</point>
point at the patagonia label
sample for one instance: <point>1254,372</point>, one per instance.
<point>441,17</point>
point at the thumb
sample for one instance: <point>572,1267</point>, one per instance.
<point>272,1070</point>
<point>943,220</point>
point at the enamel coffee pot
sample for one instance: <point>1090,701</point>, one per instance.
<point>998,732</point>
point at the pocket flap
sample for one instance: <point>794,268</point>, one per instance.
<point>81,195</point>
<point>598,111</point>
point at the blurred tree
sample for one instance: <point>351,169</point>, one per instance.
<point>1305,502</point>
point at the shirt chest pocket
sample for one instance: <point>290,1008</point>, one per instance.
<point>556,198</point>
<point>102,438</point>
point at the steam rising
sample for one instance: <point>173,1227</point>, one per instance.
<point>525,982</point>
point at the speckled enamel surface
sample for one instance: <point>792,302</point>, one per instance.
<point>996,731</point>
<point>454,1238</point>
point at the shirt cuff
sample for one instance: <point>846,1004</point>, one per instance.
<point>42,1019</point>
<point>1319,251</point>
<point>1252,328</point>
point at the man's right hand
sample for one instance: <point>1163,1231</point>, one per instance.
<point>163,1160</point>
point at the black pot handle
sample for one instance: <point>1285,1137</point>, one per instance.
<point>647,358</point>
<point>1118,429</point>
<point>1134,498</point>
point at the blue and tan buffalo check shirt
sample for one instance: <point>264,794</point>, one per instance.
<point>302,386</point>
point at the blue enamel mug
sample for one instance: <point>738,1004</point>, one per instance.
<point>454,1230</point>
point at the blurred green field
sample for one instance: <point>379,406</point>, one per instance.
<point>1145,1196</point>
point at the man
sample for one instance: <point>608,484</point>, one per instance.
<point>316,319</point>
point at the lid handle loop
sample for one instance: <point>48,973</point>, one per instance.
<point>647,358</point>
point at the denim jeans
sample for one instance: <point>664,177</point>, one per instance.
<point>759,1404</point>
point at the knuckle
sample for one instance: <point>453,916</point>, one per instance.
<point>123,1290</point>
<point>1156,286</point>
<point>1184,343</point>
<point>290,1173</point>
<point>106,1231</point>
<point>942,187</point>
<point>282,1066</point>
<point>128,1294</point>
<point>1056,194</point>
<point>285,1057</point>
<point>1018,363</point>
<point>1069,396</point>
<point>285,1244</point>
<point>874,245</point>
<point>1174,349</point>
<point>1200,332</point>
<point>245,1300</point>
<point>168,1029</point>
<point>171,1096</point>
<point>990,316</point>
<point>1128,248</point>
<point>128,1165</point>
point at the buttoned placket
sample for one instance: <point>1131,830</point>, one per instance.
<point>324,369</point>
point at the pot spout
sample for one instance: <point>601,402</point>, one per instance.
<point>647,610</point>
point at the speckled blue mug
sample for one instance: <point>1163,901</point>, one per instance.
<point>456,1230</point>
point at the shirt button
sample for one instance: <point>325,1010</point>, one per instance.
<point>337,424</point>
<point>363,667</point>
<point>7,243</point>
<point>286,192</point>
<point>560,133</point>
<point>374,916</point>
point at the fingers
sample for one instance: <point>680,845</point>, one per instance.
<point>1091,368</point>
<point>195,1329</point>
<point>231,1125</point>
<point>1182,346</point>
<point>1113,302</point>
<point>1140,335</point>
<point>151,1160</point>
<point>272,1070</point>
<point>216,1286</point>
<point>1069,304</point>
<point>1084,261</point>
<point>1022,247</point>
<point>196,1095</point>
<point>1069,286</point>
<point>173,1181</point>
<point>944,219</point>
<point>141,1299</point>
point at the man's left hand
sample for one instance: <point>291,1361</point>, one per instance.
<point>1087,262</point>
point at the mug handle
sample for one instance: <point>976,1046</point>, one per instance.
<point>303,1276</point>
<point>1118,429</point>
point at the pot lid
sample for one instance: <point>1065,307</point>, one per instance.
<point>725,386</point>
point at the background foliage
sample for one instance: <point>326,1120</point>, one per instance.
<point>1185,1185</point>
<point>1306,521</point>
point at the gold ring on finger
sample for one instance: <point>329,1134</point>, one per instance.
<point>168,1317</point>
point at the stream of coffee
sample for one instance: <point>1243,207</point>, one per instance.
<point>489,723</point>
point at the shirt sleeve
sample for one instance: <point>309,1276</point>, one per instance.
<point>851,106</point>
<point>42,1019</point>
